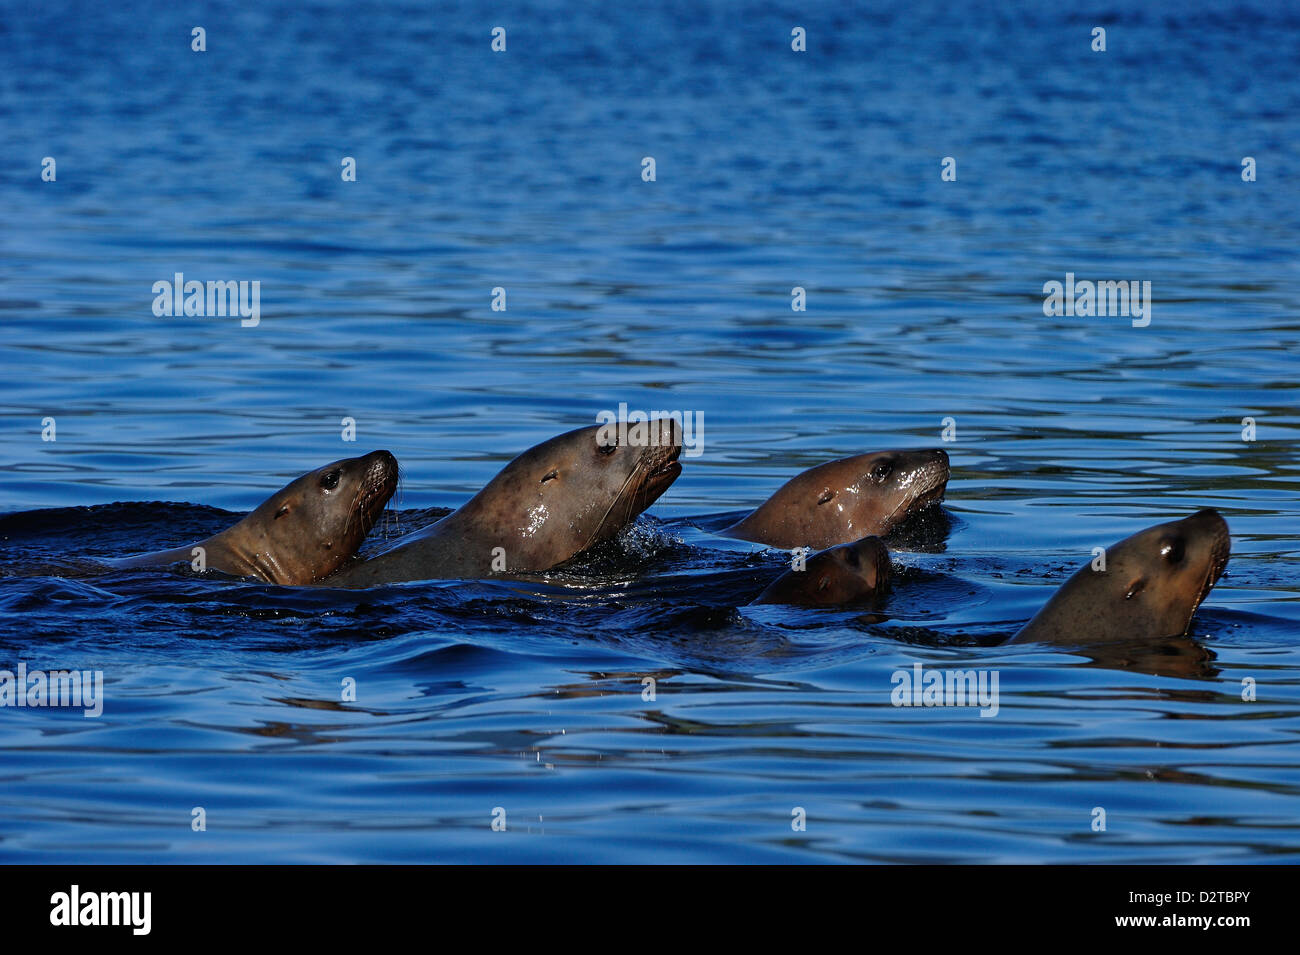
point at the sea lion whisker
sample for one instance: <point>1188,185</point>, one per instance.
<point>266,566</point>
<point>618,499</point>
<point>1218,561</point>
<point>354,506</point>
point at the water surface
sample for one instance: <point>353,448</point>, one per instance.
<point>522,170</point>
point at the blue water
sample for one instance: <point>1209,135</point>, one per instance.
<point>522,170</point>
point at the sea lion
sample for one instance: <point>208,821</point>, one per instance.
<point>847,574</point>
<point>1151,585</point>
<point>302,532</point>
<point>845,500</point>
<point>547,505</point>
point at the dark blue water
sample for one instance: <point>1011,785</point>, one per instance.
<point>522,170</point>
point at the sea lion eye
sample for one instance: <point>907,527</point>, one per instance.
<point>881,471</point>
<point>551,476</point>
<point>281,512</point>
<point>1135,588</point>
<point>331,480</point>
<point>607,448</point>
<point>1173,550</point>
<point>827,494</point>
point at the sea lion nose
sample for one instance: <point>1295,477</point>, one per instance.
<point>884,566</point>
<point>670,433</point>
<point>385,460</point>
<point>1209,519</point>
<point>933,461</point>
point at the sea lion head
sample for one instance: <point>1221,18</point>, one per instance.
<point>1150,588</point>
<point>847,574</point>
<point>562,496</point>
<point>847,499</point>
<point>311,526</point>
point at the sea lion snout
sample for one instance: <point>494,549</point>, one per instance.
<point>868,560</point>
<point>878,553</point>
<point>386,457</point>
<point>669,433</point>
<point>658,461</point>
<point>661,451</point>
<point>1210,522</point>
<point>1211,542</point>
<point>666,441</point>
<point>1202,539</point>
<point>932,471</point>
<point>380,471</point>
<point>377,483</point>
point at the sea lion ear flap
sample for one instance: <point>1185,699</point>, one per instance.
<point>1135,588</point>
<point>826,496</point>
